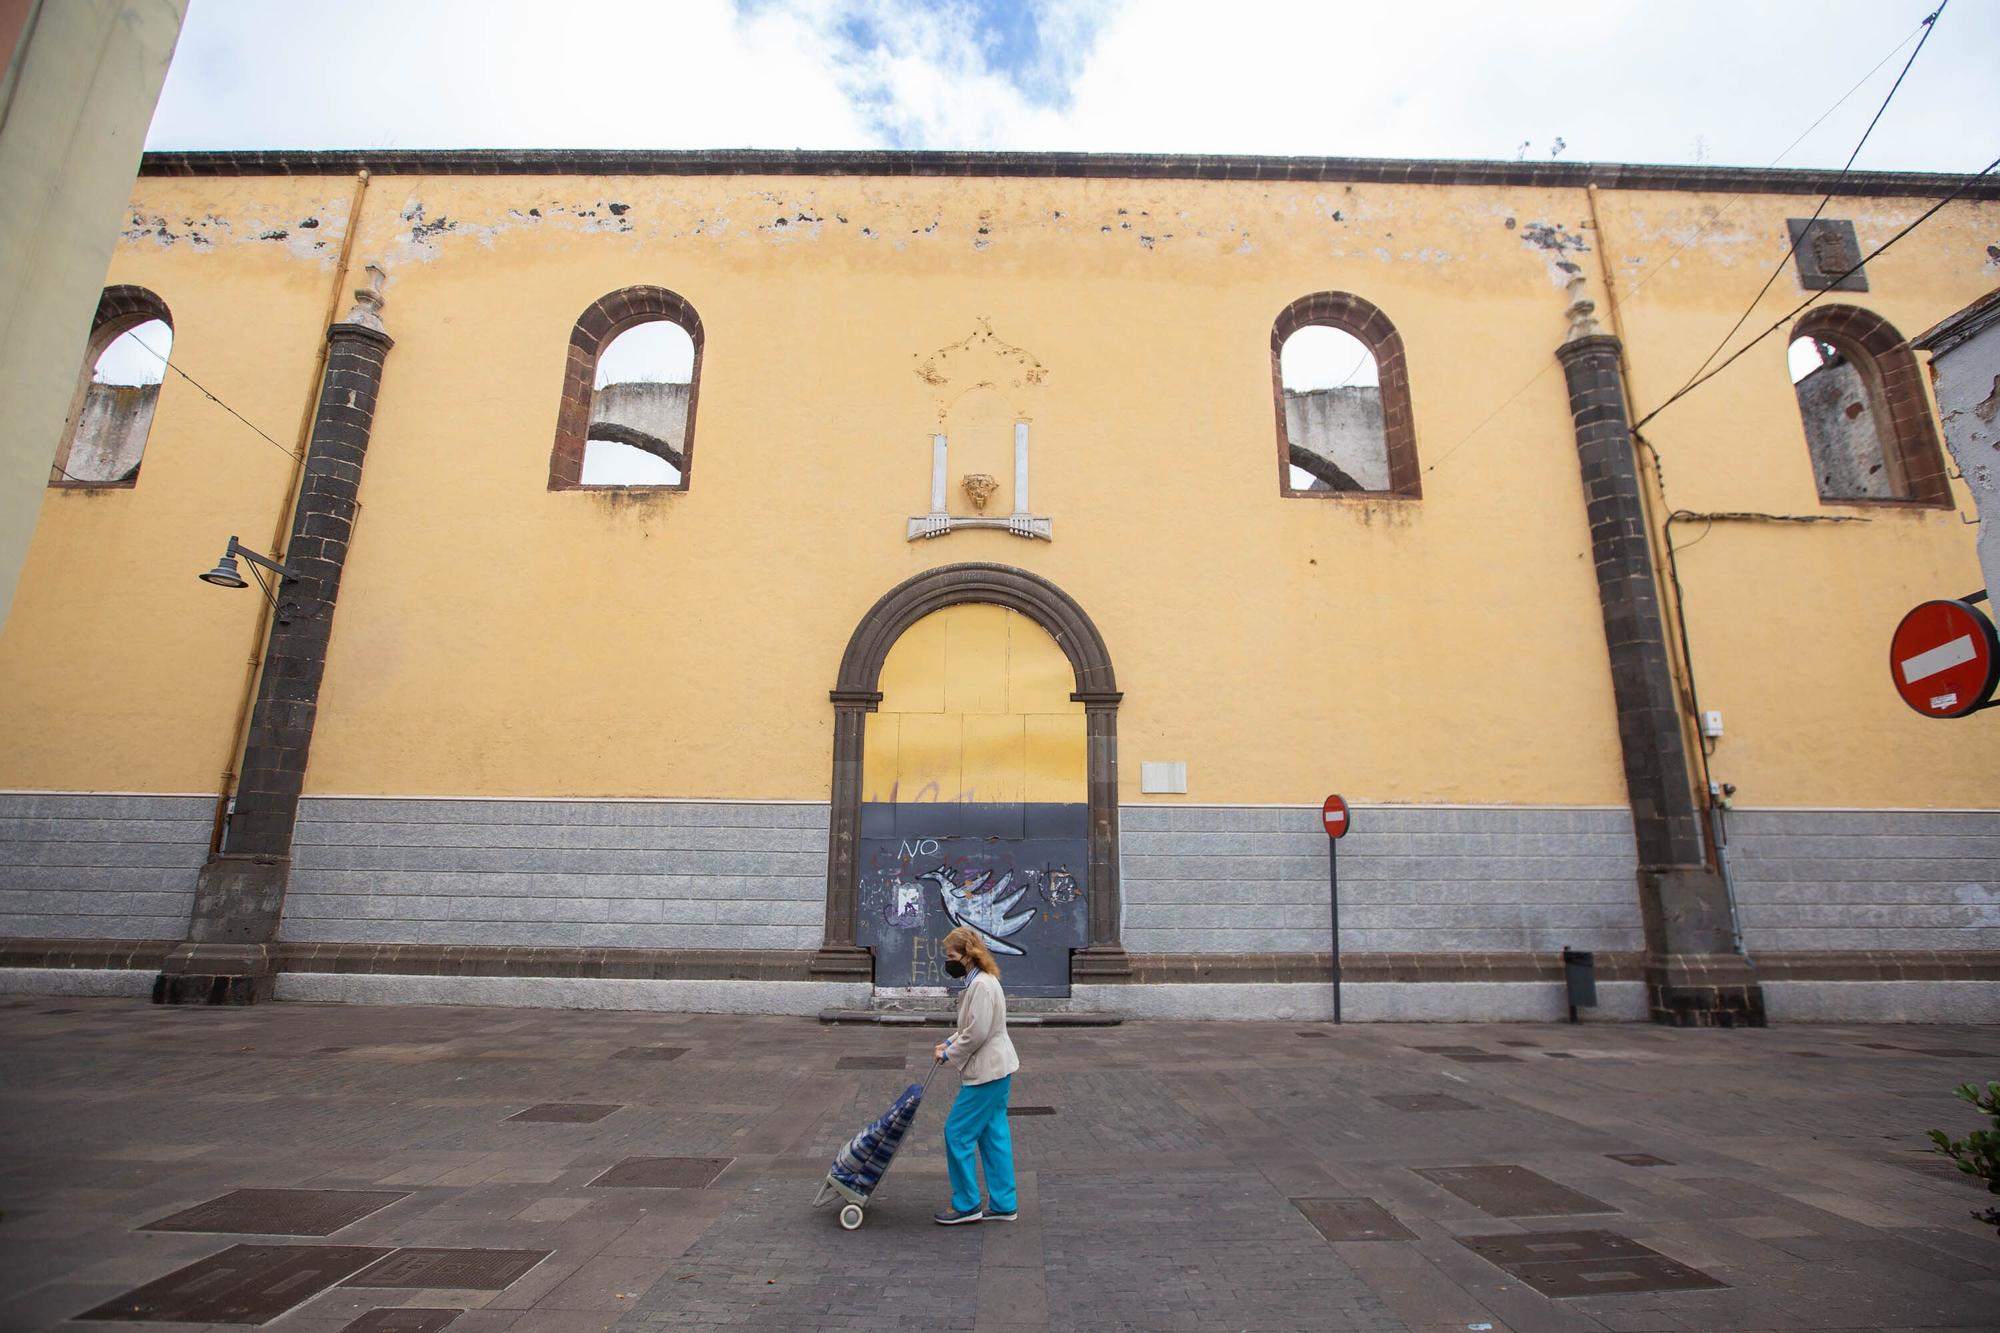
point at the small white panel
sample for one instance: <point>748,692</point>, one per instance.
<point>1165,779</point>
<point>1711,723</point>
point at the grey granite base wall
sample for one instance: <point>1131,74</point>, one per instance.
<point>631,874</point>
<point>1413,879</point>
<point>82,865</point>
<point>1866,879</point>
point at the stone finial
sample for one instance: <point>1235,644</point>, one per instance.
<point>979,488</point>
<point>1582,310</point>
<point>367,311</point>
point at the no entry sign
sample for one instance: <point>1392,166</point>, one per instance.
<point>1334,815</point>
<point>1944,658</point>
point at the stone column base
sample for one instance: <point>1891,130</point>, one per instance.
<point>216,974</point>
<point>1704,991</point>
<point>1099,962</point>
<point>843,962</point>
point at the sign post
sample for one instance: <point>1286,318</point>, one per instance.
<point>1944,658</point>
<point>1333,814</point>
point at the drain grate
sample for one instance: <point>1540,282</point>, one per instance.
<point>650,1053</point>
<point>1586,1263</point>
<point>1512,1191</point>
<point>566,1113</point>
<point>419,1269</point>
<point>279,1212</point>
<point>245,1284</point>
<point>403,1319</point>
<point>1031,1110</point>
<point>664,1173</point>
<point>1425,1101</point>
<point>1638,1159</point>
<point>871,1062</point>
<point>1352,1219</point>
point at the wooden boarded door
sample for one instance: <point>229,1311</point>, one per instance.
<point>974,802</point>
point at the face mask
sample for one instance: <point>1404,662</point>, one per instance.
<point>954,968</point>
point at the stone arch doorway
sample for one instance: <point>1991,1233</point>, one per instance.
<point>857,692</point>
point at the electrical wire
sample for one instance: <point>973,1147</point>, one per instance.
<point>1787,318</point>
<point>140,342</point>
<point>1632,294</point>
<point>1929,26</point>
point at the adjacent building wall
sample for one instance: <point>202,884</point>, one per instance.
<point>81,80</point>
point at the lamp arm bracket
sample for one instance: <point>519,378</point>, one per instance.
<point>238,548</point>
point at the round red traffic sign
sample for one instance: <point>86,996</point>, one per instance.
<point>1334,815</point>
<point>1944,658</point>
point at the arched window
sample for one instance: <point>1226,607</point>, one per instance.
<point>130,340</point>
<point>629,387</point>
<point>1343,400</point>
<point>1861,397</point>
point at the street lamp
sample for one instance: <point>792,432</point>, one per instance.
<point>227,575</point>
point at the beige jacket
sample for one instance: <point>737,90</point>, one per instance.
<point>981,1046</point>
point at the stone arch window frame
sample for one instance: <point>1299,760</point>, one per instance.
<point>856,693</point>
<point>1894,381</point>
<point>601,322</point>
<point>1366,323</point>
<point>120,309</point>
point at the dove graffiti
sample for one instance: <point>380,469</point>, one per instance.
<point>983,904</point>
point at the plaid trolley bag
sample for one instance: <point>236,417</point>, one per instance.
<point>858,1168</point>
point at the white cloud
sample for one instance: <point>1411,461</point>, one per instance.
<point>1446,78</point>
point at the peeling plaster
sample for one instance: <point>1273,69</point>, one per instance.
<point>213,232</point>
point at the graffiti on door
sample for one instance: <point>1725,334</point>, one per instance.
<point>1024,895</point>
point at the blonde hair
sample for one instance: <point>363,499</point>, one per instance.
<point>974,948</point>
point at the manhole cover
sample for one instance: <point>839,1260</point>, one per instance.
<point>1352,1219</point>
<point>1586,1263</point>
<point>1425,1101</point>
<point>1559,1055</point>
<point>1529,1044</point>
<point>404,1319</point>
<point>1808,1055</point>
<point>51,1013</point>
<point>449,1270</point>
<point>1540,1247</point>
<point>245,1284</point>
<point>1482,1057</point>
<point>1596,1277</point>
<point>870,1062</point>
<point>1638,1159</point>
<point>1449,1050</point>
<point>565,1113</point>
<point>333,1050</point>
<point>1512,1191</point>
<point>279,1212</point>
<point>1309,1033</point>
<point>1031,1110</point>
<point>1948,1053</point>
<point>664,1173</point>
<point>1880,1046</point>
<point>650,1053</point>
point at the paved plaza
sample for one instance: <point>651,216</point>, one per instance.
<point>554,1172</point>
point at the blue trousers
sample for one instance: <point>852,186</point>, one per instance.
<point>978,1121</point>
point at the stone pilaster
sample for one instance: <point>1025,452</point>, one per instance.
<point>240,895</point>
<point>839,957</point>
<point>1105,956</point>
<point>1694,978</point>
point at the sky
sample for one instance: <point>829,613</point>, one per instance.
<point>1615,80</point>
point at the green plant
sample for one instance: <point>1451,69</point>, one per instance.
<point>1978,1153</point>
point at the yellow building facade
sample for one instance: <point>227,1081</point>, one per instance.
<point>592,723</point>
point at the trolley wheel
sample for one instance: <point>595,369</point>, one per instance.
<point>850,1217</point>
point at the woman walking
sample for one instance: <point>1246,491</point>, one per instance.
<point>978,1119</point>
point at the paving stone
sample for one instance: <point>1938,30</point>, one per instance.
<point>1158,1197</point>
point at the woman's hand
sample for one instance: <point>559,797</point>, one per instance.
<point>939,1052</point>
